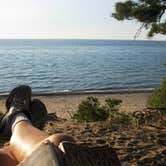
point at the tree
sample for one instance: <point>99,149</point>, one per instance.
<point>150,13</point>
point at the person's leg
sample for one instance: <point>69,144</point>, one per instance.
<point>16,125</point>
<point>25,138</point>
<point>6,157</point>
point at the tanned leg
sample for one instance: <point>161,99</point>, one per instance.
<point>25,138</point>
<point>7,158</point>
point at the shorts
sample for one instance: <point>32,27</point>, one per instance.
<point>43,155</point>
<point>75,154</point>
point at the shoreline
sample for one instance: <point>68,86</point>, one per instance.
<point>65,104</point>
<point>86,92</point>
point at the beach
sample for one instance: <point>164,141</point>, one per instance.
<point>135,145</point>
<point>98,80</point>
<point>65,104</point>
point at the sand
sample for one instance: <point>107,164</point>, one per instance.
<point>66,105</point>
<point>136,145</point>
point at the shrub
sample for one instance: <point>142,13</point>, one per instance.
<point>90,110</point>
<point>158,97</point>
<point>116,115</point>
<point>113,104</point>
<point>126,118</point>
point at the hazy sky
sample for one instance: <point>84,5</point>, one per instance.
<point>89,19</point>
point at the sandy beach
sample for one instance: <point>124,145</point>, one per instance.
<point>137,145</point>
<point>64,105</point>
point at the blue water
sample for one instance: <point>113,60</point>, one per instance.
<point>60,65</point>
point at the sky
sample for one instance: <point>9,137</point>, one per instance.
<point>69,19</point>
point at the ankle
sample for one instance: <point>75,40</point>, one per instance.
<point>20,117</point>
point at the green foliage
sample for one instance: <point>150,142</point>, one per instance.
<point>148,12</point>
<point>113,104</point>
<point>128,118</point>
<point>123,10</point>
<point>90,110</point>
<point>116,115</point>
<point>157,28</point>
<point>158,97</point>
<point>125,118</point>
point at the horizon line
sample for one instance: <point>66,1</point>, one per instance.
<point>80,39</point>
